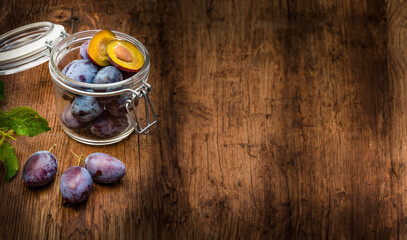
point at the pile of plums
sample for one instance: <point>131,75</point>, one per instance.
<point>76,182</point>
<point>104,60</point>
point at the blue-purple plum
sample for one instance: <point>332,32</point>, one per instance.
<point>82,71</point>
<point>86,108</point>
<point>108,125</point>
<point>66,68</point>
<point>83,50</point>
<point>76,184</point>
<point>40,169</point>
<point>70,121</point>
<point>117,106</point>
<point>108,74</point>
<point>104,168</point>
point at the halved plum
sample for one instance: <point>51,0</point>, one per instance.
<point>97,47</point>
<point>124,55</point>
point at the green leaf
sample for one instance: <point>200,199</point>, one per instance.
<point>24,120</point>
<point>9,159</point>
<point>5,123</point>
<point>2,97</point>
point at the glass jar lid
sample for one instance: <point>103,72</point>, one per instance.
<point>28,46</point>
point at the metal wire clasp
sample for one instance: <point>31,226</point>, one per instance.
<point>130,105</point>
<point>49,44</point>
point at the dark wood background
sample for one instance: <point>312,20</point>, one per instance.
<point>277,120</point>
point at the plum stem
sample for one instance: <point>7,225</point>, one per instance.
<point>78,157</point>
<point>79,160</point>
<point>51,148</point>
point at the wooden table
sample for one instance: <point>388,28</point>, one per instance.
<point>277,120</point>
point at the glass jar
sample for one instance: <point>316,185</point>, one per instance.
<point>95,114</point>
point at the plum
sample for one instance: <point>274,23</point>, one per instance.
<point>82,71</point>
<point>117,107</point>
<point>107,75</point>
<point>104,168</point>
<point>83,51</point>
<point>69,120</point>
<point>86,108</point>
<point>66,68</point>
<point>40,168</point>
<point>108,125</point>
<point>76,184</point>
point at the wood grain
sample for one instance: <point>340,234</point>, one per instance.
<point>277,120</point>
